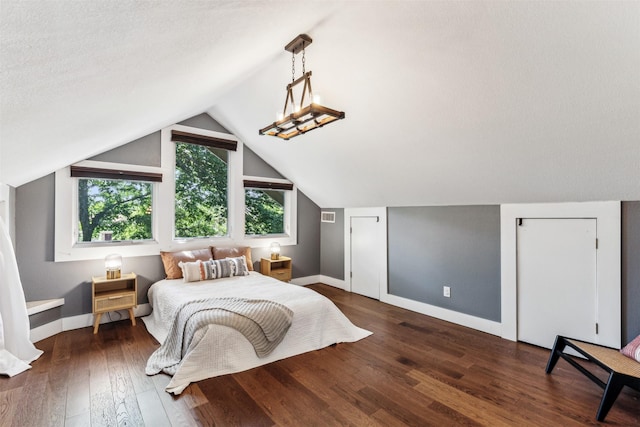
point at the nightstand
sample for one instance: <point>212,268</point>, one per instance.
<point>277,268</point>
<point>113,294</point>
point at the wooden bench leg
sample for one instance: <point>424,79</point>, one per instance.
<point>611,392</point>
<point>558,347</point>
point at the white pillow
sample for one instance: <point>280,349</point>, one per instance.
<point>192,271</point>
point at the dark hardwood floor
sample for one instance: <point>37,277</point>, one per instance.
<point>414,370</point>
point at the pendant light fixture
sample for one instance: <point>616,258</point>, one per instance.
<point>297,117</point>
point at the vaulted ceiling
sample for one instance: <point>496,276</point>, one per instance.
<point>447,102</point>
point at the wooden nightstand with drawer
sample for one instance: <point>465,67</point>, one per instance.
<point>112,295</point>
<point>277,268</point>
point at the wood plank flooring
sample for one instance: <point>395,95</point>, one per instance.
<point>414,370</point>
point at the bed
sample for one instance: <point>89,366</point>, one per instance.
<point>219,350</point>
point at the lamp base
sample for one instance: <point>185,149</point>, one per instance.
<point>275,256</point>
<point>113,274</point>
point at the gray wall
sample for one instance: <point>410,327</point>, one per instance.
<point>42,278</point>
<point>144,151</point>
<point>456,246</point>
<point>255,166</point>
<point>630,271</point>
<point>332,246</point>
<point>306,254</point>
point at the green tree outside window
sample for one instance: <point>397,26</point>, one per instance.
<point>117,208</point>
<point>201,191</point>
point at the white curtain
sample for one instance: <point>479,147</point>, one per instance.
<point>16,350</point>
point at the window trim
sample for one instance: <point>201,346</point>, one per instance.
<point>66,214</point>
<point>290,209</point>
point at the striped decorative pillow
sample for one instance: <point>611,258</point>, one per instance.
<point>632,349</point>
<point>213,269</point>
<point>220,268</point>
<point>239,266</point>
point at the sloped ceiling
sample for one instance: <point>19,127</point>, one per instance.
<point>446,102</point>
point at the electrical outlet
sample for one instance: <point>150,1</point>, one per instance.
<point>446,291</point>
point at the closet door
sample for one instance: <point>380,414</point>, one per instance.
<point>556,279</point>
<point>365,270</point>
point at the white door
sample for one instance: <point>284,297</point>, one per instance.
<point>365,271</point>
<point>556,279</point>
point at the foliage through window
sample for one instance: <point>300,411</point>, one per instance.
<point>111,210</point>
<point>201,179</point>
<point>264,211</point>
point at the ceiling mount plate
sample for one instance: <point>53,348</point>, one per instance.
<point>296,45</point>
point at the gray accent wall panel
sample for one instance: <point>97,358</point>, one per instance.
<point>456,246</point>
<point>144,151</point>
<point>630,271</point>
<point>332,246</point>
<point>204,121</point>
<point>45,317</point>
<point>253,165</point>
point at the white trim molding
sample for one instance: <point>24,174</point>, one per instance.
<point>82,321</point>
<point>608,262</point>
<point>306,281</point>
<point>478,323</point>
<point>332,281</point>
<point>320,278</point>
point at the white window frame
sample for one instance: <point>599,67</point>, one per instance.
<point>66,189</point>
<point>167,195</point>
<point>66,218</point>
<point>290,214</point>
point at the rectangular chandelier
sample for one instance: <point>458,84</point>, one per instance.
<point>298,118</point>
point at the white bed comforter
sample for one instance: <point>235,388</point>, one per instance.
<point>218,350</point>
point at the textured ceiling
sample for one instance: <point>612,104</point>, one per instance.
<point>446,102</point>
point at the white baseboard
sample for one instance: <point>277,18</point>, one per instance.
<point>83,321</point>
<point>304,281</point>
<point>336,283</point>
<point>45,331</point>
<point>473,322</point>
<point>319,278</point>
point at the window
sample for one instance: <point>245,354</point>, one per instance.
<point>113,205</point>
<point>201,177</point>
<point>201,168</point>
<point>197,197</point>
<point>114,210</point>
<point>267,206</point>
<point>264,211</point>
<point>102,208</point>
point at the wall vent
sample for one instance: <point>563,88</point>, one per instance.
<point>328,217</point>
